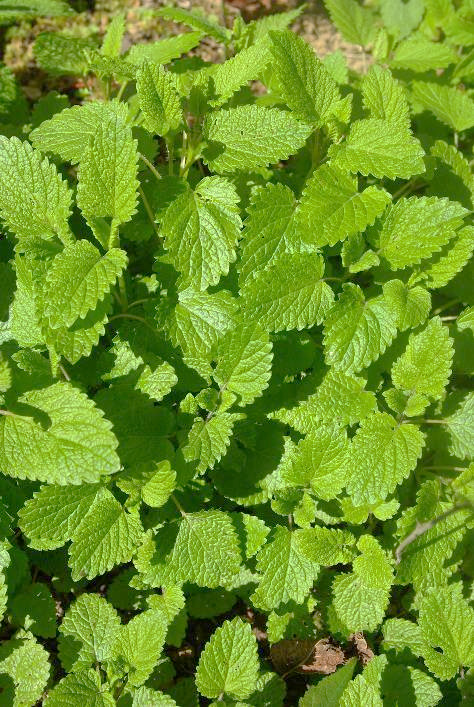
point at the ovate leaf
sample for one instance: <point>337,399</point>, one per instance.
<point>69,443</point>
<point>229,663</point>
<point>449,105</point>
<point>159,99</point>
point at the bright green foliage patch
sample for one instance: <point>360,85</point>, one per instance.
<point>236,358</point>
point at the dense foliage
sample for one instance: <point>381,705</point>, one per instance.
<point>236,347</point>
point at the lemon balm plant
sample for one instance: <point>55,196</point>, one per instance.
<point>237,411</point>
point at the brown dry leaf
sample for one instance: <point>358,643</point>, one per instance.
<point>306,656</point>
<point>364,653</point>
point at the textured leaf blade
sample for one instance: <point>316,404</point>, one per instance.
<point>159,100</point>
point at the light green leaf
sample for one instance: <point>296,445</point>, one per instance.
<point>402,683</point>
<point>381,148</point>
<point>199,321</point>
<point>269,230</point>
<point>286,573</point>
<point>159,99</point>
<point>306,85</point>
<point>244,361</point>
<point>360,692</point>
<point>355,23</point>
<point>87,633</point>
<point>327,546</point>
<point>229,662</point>
<point>466,319</point>
<point>401,633</point>
<point>331,207</point>
<point>227,78</point>
<point>51,516</point>
<point>329,690</point>
<point>112,42</point>
<point>360,599</point>
<point>447,627</point>
<point>146,697</point>
<point>164,50</point>
<point>461,429</point>
<point>35,202</point>
<point>24,670</point>
<point>196,20</point>
<point>69,132</point>
<point>107,536</point>
<point>77,446</point>
<point>385,97</point>
<point>201,229</point>
<point>356,331</point>
<point>82,689</point>
<point>251,136</point>
<point>206,550</point>
<point>138,646</point>
<point>419,54</point>
<point>289,294</point>
<point>438,271</point>
<point>382,454</point>
<point>425,365</point>
<point>208,439</point>
<point>417,227</point>
<point>340,400</point>
<point>449,105</point>
<point>78,279</point>
<point>412,304</point>
<point>319,462</point>
<point>108,174</point>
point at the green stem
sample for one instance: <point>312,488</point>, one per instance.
<point>123,292</point>
<point>137,302</point>
<point>121,90</point>
<point>148,210</point>
<point>150,166</point>
<point>125,315</point>
<point>170,148</point>
<point>446,305</point>
<point>178,505</point>
<point>449,319</point>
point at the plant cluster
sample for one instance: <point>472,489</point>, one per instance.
<point>236,356</point>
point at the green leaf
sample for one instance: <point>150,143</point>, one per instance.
<point>381,148</point>
<point>356,331</point>
<point>419,54</point>
<point>340,400</point>
<point>319,462</point>
<point>106,536</point>
<point>69,132</point>
<point>208,439</point>
<point>329,690</point>
<point>332,207</point>
<point>88,632</point>
<point>382,454</point>
<point>289,294</point>
<point>112,42</point>
<point>306,85</point>
<point>138,646</point>
<point>196,20</point>
<point>360,599</point>
<point>229,662</point>
<point>425,365</point>
<point>108,174</point>
<point>198,322</point>
<point>384,97</point>
<point>59,54</point>
<point>449,105</point>
<point>206,550</point>
<point>78,280</point>
<point>417,227</point>
<point>286,573</point>
<point>201,229</point>
<point>31,9</point>
<point>82,689</point>
<point>466,319</point>
<point>355,23</point>
<point>24,670</point>
<point>327,546</point>
<point>35,202</point>
<point>34,609</point>
<point>164,50</point>
<point>438,271</point>
<point>244,361</point>
<point>251,136</point>
<point>447,627</point>
<point>412,304</point>
<point>269,230</point>
<point>159,99</point>
<point>461,429</point>
<point>76,447</point>
<point>146,697</point>
<point>401,633</point>
<point>51,516</point>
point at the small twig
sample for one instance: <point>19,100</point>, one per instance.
<point>150,166</point>
<point>422,528</point>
